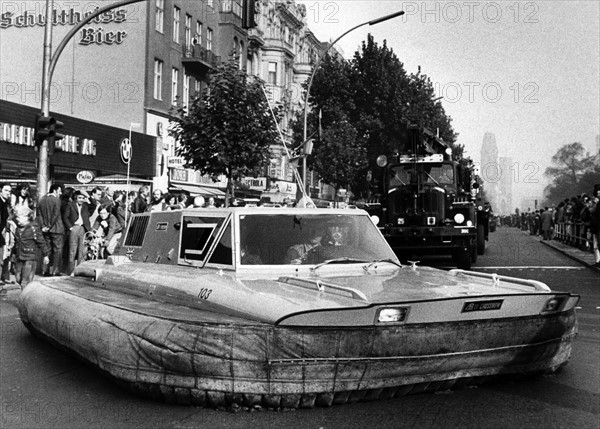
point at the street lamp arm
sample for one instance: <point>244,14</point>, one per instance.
<point>314,71</point>
<point>331,45</point>
<point>77,27</point>
<point>385,18</point>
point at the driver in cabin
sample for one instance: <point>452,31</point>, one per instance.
<point>298,253</point>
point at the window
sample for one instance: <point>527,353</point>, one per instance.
<point>198,35</point>
<point>186,90</point>
<point>272,73</point>
<point>174,79</point>
<point>188,30</point>
<point>158,68</point>
<point>197,237</point>
<point>176,12</point>
<point>160,15</point>
<point>209,39</point>
<point>222,253</point>
<point>210,3</point>
<point>197,87</point>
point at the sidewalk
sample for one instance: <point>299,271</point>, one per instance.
<point>584,258</point>
<point>10,287</point>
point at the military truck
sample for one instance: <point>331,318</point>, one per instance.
<point>425,199</point>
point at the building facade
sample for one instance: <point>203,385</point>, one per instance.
<point>131,68</point>
<point>490,169</point>
<point>505,187</point>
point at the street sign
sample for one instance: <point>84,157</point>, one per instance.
<point>175,162</point>
<point>85,176</point>
<point>126,150</point>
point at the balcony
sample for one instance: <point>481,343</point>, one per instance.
<point>199,60</point>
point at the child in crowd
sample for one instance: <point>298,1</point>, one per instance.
<point>28,238</point>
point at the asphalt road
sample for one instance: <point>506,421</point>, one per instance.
<point>41,387</point>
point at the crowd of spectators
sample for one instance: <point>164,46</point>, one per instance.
<point>65,217</point>
<point>574,221</point>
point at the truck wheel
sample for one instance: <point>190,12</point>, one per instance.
<point>462,259</point>
<point>480,239</point>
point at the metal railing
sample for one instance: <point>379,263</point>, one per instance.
<point>200,53</point>
<point>574,234</point>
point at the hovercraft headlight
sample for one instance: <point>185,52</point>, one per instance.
<point>459,218</point>
<point>392,315</point>
<point>553,305</point>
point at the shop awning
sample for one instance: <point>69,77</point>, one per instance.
<point>119,178</point>
<point>198,190</point>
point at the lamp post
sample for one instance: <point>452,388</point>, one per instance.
<point>130,151</point>
<point>49,63</point>
<point>312,75</point>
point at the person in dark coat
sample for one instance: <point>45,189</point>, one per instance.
<point>28,238</point>
<point>140,204</point>
<point>94,202</point>
<point>77,222</point>
<point>5,193</point>
<point>595,227</point>
<point>547,222</point>
<point>50,220</point>
<point>119,208</point>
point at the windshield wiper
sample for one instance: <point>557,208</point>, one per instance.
<point>399,179</point>
<point>431,177</point>
<point>391,261</point>
<point>337,260</point>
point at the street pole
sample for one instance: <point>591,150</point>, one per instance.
<point>43,173</point>
<point>49,64</point>
<point>314,70</point>
<point>131,125</point>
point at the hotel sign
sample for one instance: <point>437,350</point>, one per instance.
<point>175,162</point>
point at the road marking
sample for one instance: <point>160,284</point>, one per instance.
<point>529,267</point>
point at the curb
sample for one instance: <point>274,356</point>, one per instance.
<point>10,287</point>
<point>570,255</point>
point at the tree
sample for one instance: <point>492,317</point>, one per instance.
<point>228,129</point>
<point>573,173</point>
<point>374,94</point>
<point>339,156</point>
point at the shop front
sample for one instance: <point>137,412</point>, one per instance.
<point>91,150</point>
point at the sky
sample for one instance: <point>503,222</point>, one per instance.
<point>528,72</point>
